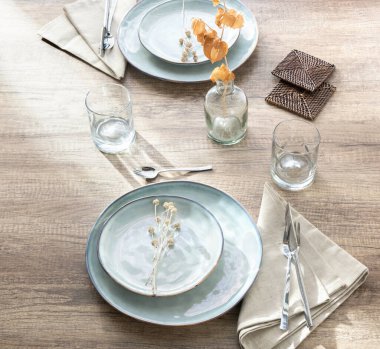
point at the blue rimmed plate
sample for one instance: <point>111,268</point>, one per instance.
<point>223,289</point>
<point>126,251</point>
<point>142,59</point>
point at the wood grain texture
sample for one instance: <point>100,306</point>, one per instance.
<point>54,183</point>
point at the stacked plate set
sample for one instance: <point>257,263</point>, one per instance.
<point>149,34</point>
<point>214,261</point>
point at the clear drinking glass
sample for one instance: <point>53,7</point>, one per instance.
<point>109,109</point>
<point>294,154</point>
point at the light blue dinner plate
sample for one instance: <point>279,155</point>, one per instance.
<point>126,251</point>
<point>226,285</point>
<point>142,59</point>
<point>162,39</point>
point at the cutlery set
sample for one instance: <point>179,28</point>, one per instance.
<point>107,40</point>
<point>290,249</point>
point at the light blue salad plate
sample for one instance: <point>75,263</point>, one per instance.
<point>225,286</point>
<point>137,55</point>
<point>126,251</point>
<point>162,39</point>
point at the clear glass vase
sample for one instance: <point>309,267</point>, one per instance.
<point>226,109</point>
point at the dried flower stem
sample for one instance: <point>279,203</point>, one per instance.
<point>163,237</point>
<point>221,35</point>
<point>183,15</point>
<point>186,40</point>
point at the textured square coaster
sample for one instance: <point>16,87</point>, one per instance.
<point>297,100</point>
<point>303,70</point>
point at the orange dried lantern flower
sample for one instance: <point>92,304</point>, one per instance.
<point>198,26</point>
<point>219,50</point>
<point>207,35</point>
<point>222,73</point>
<point>229,18</point>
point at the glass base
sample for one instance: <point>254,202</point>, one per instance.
<point>113,135</point>
<point>292,186</point>
<point>229,142</point>
<point>112,148</point>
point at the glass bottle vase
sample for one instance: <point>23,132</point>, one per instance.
<point>226,111</point>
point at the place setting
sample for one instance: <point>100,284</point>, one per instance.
<point>180,252</point>
<point>156,52</point>
<point>147,35</point>
<point>215,257</point>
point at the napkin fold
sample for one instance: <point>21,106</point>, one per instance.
<point>78,31</point>
<point>331,275</point>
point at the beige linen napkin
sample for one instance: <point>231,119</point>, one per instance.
<point>331,275</point>
<point>78,31</point>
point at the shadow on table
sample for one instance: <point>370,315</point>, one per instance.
<point>141,153</point>
<point>204,335</point>
<point>326,333</point>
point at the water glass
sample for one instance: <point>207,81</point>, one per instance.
<point>109,109</point>
<point>294,154</point>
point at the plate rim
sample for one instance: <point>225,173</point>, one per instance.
<point>168,60</point>
<point>168,293</point>
<point>170,323</point>
<point>190,81</point>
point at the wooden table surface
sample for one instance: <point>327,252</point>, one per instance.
<point>54,183</point>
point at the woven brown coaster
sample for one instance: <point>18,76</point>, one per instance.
<point>304,103</point>
<point>303,70</point>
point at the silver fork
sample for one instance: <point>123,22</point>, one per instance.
<point>288,254</point>
<point>290,248</point>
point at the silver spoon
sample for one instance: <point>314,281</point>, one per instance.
<point>149,172</point>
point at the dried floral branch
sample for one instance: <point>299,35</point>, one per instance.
<point>214,48</point>
<point>162,237</point>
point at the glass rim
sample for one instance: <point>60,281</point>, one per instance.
<point>102,86</point>
<point>314,145</point>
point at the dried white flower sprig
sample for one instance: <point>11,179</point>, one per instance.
<point>186,41</point>
<point>163,236</point>
<point>188,49</point>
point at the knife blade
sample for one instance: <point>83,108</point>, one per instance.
<point>101,46</point>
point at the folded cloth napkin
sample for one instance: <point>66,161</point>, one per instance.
<point>78,31</point>
<point>331,275</point>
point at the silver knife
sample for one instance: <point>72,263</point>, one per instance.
<point>107,40</point>
<point>294,244</point>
